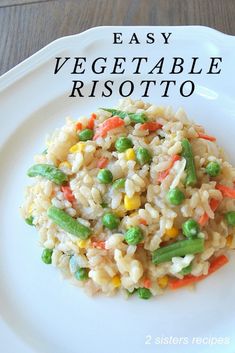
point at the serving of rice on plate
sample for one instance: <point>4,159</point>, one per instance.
<point>136,198</point>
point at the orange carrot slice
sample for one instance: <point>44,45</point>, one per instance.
<point>226,191</point>
<point>206,137</point>
<point>151,126</point>
<point>162,175</point>
<point>214,203</point>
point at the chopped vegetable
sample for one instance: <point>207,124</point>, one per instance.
<point>100,244</point>
<point>45,151</point>
<point>163,281</point>
<point>226,191</point>
<point>49,172</point>
<point>190,228</point>
<point>81,274</point>
<point>123,143</point>
<point>105,176</point>
<point>29,220</point>
<point>214,203</point>
<point>144,293</point>
<point>151,126</point>
<point>67,223</point>
<point>83,244</point>
<point>179,248</point>
<point>130,154</point>
<point>133,235</point>
<point>230,218</point>
<point>206,137</point>
<point>104,205</point>
<point>143,156</point>
<point>91,122</point>
<point>147,283</point>
<point>135,117</point>
<point>132,203</point>
<point>186,270</point>
<point>110,221</point>
<point>46,256</point>
<point>162,175</point>
<point>143,221</point>
<point>215,265</point>
<point>213,169</point>
<point>68,193</point>
<point>119,183</point>
<point>102,162</point>
<point>191,178</point>
<point>175,196</point>
<point>116,281</point>
<point>107,125</point>
<point>78,126</point>
<point>172,232</point>
<point>86,134</point>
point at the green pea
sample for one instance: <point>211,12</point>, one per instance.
<point>123,143</point>
<point>230,218</point>
<point>134,235</point>
<point>143,156</point>
<point>190,228</point>
<point>186,270</point>
<point>29,220</point>
<point>81,274</point>
<point>144,293</point>
<point>105,176</point>
<point>213,169</point>
<point>175,196</point>
<point>119,183</point>
<point>46,256</point>
<point>110,220</point>
<point>86,134</point>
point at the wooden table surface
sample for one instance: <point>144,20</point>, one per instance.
<point>28,25</point>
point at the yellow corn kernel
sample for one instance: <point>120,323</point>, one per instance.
<point>130,154</point>
<point>65,165</point>
<point>132,203</point>
<point>172,232</point>
<point>79,147</point>
<point>163,281</point>
<point>116,281</point>
<point>83,244</point>
<point>120,211</point>
<point>229,240</point>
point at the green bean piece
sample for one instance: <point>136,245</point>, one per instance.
<point>104,204</point>
<point>67,223</point>
<point>81,274</point>
<point>179,248</point>
<point>29,220</point>
<point>86,134</point>
<point>119,183</point>
<point>46,256</point>
<point>144,293</point>
<point>49,172</point>
<point>186,270</point>
<point>230,218</point>
<point>191,178</point>
<point>134,117</point>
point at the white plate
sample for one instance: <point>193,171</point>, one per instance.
<point>39,311</point>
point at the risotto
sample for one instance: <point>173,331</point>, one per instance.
<point>137,198</point>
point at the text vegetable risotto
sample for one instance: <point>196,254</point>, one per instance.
<point>136,198</point>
